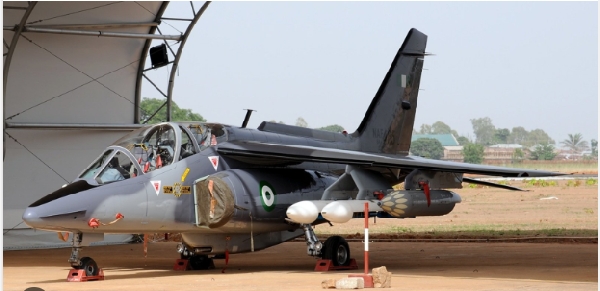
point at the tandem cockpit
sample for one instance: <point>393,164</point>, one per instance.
<point>152,147</point>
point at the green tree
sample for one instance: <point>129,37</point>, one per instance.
<point>473,153</point>
<point>518,135</point>
<point>594,148</point>
<point>518,156</point>
<point>538,136</point>
<point>430,148</point>
<point>333,128</point>
<point>301,122</point>
<point>544,151</point>
<point>439,127</point>
<point>425,129</point>
<point>575,143</point>
<point>501,135</point>
<point>462,140</point>
<point>484,130</point>
<point>150,106</point>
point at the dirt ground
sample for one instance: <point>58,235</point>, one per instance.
<point>415,265</point>
<point>569,210</point>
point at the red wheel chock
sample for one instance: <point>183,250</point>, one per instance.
<point>180,265</point>
<point>76,275</point>
<point>327,265</point>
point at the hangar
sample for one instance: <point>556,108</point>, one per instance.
<point>72,84</point>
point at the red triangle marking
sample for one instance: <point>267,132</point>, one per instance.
<point>214,161</point>
<point>156,185</point>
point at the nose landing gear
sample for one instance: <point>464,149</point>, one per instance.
<point>84,269</point>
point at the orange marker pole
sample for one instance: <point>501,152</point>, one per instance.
<point>366,238</point>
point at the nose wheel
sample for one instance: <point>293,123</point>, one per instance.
<point>84,269</point>
<point>89,266</point>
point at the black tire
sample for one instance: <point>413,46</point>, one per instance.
<point>201,263</point>
<point>337,250</point>
<point>89,265</point>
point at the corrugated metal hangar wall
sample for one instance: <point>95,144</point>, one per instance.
<point>72,85</point>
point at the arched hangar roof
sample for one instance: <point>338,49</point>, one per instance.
<point>77,63</point>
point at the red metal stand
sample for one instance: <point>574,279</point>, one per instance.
<point>76,275</point>
<point>367,277</point>
<point>181,265</point>
<point>327,265</point>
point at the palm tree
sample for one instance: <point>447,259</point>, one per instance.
<point>575,143</point>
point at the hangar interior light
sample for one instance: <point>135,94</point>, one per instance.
<point>158,56</point>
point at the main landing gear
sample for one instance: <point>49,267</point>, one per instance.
<point>334,253</point>
<point>192,261</point>
<point>84,269</point>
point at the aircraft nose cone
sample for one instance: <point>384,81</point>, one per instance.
<point>31,217</point>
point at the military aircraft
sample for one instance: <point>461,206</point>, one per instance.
<point>231,189</point>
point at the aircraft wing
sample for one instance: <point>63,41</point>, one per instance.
<point>277,154</point>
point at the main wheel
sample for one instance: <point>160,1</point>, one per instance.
<point>89,265</point>
<point>201,263</point>
<point>337,250</point>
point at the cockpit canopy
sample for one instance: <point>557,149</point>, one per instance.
<point>152,147</point>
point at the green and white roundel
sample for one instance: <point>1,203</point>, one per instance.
<point>267,196</point>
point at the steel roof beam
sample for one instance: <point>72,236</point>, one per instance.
<point>99,126</point>
<point>178,19</point>
<point>95,25</point>
<point>7,60</point>
<point>143,56</point>
<point>14,7</point>
<point>178,57</point>
<point>102,33</point>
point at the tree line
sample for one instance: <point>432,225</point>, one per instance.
<point>154,110</point>
<point>487,134</point>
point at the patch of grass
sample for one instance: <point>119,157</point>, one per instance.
<point>400,229</point>
<point>588,210</point>
<point>574,183</point>
<point>540,183</point>
<point>589,167</point>
<point>472,231</point>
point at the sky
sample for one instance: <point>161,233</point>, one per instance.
<point>530,64</point>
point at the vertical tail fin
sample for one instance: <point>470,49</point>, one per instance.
<point>388,123</point>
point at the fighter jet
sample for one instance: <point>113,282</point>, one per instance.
<point>231,189</point>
